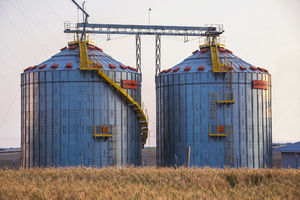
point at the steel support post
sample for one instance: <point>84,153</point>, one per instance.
<point>157,54</point>
<point>138,52</point>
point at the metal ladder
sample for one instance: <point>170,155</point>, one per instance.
<point>213,129</point>
<point>227,97</point>
<point>112,147</point>
<point>212,107</point>
<point>229,146</point>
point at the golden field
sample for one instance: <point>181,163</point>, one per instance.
<point>149,183</point>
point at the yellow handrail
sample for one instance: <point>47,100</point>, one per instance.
<point>83,55</point>
<point>217,66</point>
<point>86,64</point>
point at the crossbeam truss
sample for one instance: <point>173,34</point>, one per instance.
<point>210,30</point>
<point>157,54</point>
<point>213,31</point>
<point>138,52</point>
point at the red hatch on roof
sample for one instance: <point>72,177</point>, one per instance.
<point>176,69</point>
<point>222,50</point>
<point>69,65</point>
<point>168,70</point>
<point>34,67</point>
<point>63,48</point>
<point>54,66</point>
<point>195,51</point>
<point>91,47</point>
<point>28,68</point>
<point>201,67</point>
<point>72,47</point>
<point>42,66</point>
<point>112,66</point>
<point>204,50</point>
<point>123,67</point>
<point>242,67</point>
<point>188,68</point>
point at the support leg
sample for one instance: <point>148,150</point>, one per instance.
<point>138,52</point>
<point>157,54</point>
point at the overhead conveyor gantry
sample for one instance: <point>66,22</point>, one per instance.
<point>208,31</point>
<point>211,32</point>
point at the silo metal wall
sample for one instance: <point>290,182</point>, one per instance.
<point>182,121</point>
<point>59,109</point>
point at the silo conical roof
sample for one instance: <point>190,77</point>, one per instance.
<point>202,58</point>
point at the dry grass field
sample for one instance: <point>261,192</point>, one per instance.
<point>149,183</point>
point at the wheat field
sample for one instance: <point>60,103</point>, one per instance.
<point>149,183</point>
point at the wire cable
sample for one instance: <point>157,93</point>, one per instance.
<point>53,11</point>
<point>43,28</point>
<point>8,80</point>
<point>34,38</point>
<point>8,110</point>
<point>12,67</point>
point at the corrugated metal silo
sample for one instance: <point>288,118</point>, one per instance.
<point>64,109</point>
<point>221,118</point>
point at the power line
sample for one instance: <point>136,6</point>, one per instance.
<point>8,109</point>
<point>5,63</point>
<point>53,11</point>
<point>9,81</point>
<point>34,38</point>
<point>32,29</point>
<point>15,56</point>
<point>46,31</point>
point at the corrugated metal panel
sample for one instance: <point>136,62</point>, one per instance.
<point>290,160</point>
<point>293,148</point>
<point>183,117</point>
<point>60,107</point>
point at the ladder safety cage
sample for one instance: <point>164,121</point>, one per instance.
<point>109,133</point>
<point>221,70</point>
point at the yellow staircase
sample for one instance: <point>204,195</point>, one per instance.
<point>86,64</point>
<point>83,55</point>
<point>217,66</point>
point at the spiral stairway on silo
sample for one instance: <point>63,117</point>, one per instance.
<point>88,64</point>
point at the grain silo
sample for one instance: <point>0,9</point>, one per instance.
<point>214,109</point>
<point>81,107</point>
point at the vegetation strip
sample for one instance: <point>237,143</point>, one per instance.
<point>149,183</point>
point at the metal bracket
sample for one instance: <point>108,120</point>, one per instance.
<point>157,54</point>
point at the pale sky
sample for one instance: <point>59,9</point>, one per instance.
<point>265,33</point>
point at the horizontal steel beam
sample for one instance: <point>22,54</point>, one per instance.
<point>213,30</point>
<point>142,33</point>
<point>148,27</point>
